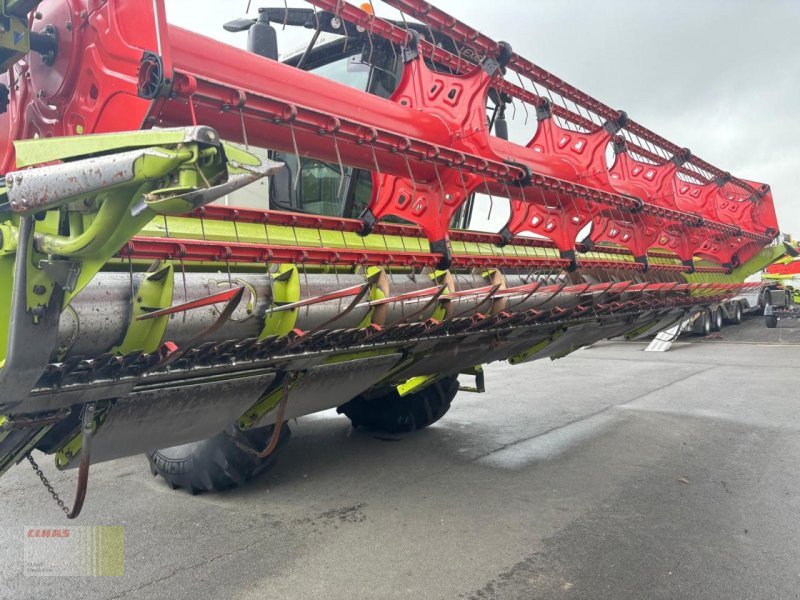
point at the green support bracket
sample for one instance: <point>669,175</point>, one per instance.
<point>266,404</point>
<point>120,193</point>
<point>9,234</point>
<point>374,275</point>
<point>401,366</point>
<point>82,222</point>
<point>416,384</point>
<point>154,293</point>
<point>69,450</point>
<point>440,278</point>
<point>6,275</point>
<point>285,290</point>
<point>72,447</point>
<point>480,384</point>
<point>39,285</point>
<point>523,356</point>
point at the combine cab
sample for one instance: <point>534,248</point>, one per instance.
<point>199,243</point>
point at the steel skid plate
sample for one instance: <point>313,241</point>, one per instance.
<point>579,336</point>
<point>165,417</point>
<point>329,386</point>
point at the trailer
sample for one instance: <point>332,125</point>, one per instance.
<point>731,311</point>
<point>750,300</point>
<point>779,304</point>
<point>714,317</point>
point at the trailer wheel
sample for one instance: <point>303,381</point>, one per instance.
<point>217,463</point>
<point>738,314</point>
<point>705,324</point>
<point>771,321</point>
<point>708,323</point>
<point>717,320</point>
<point>393,413</point>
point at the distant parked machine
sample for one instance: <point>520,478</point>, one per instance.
<point>785,272</point>
<point>779,303</point>
<point>751,299</point>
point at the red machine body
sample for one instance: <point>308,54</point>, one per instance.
<point>120,66</point>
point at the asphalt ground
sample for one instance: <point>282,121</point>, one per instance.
<point>610,474</point>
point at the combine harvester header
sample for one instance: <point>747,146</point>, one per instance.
<point>140,310</point>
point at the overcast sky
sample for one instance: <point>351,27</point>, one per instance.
<point>721,77</point>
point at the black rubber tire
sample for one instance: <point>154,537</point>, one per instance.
<point>738,314</point>
<point>771,321</point>
<point>705,325</point>
<point>717,319</point>
<point>395,414</point>
<point>217,463</point>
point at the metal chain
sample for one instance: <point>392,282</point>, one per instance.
<point>48,485</point>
